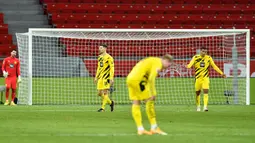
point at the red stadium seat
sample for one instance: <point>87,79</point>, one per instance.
<point>106,8</point>
<point>5,39</point>
<point>145,9</point>
<point>183,14</point>
<point>111,19</point>
<point>3,29</point>
<point>5,50</point>
<point>76,1</point>
<point>154,1</point>
<point>247,9</point>
<point>150,19</point>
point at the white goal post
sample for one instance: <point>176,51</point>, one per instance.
<point>58,65</point>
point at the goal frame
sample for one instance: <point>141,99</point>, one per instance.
<point>31,30</point>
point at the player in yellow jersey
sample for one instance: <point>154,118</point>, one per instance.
<point>104,76</point>
<point>141,87</point>
<point>201,64</point>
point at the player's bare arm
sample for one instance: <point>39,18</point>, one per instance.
<point>95,79</point>
<point>191,63</point>
<point>216,68</point>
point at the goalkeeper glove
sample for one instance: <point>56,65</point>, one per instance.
<point>19,79</point>
<point>5,74</point>
<point>112,89</point>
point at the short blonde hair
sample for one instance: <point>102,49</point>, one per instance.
<point>168,57</point>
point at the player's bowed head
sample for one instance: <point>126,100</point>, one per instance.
<point>166,61</point>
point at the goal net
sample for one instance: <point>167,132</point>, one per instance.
<point>58,65</point>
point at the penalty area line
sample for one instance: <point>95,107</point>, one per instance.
<point>132,134</point>
<point>96,135</point>
<point>113,135</point>
<point>70,135</point>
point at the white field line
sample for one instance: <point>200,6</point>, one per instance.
<point>112,135</point>
<point>84,110</point>
<point>71,135</point>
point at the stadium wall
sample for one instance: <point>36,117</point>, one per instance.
<point>59,67</point>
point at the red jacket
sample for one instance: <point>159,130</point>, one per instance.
<point>12,66</point>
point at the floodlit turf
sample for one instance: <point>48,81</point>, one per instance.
<point>82,91</point>
<point>74,124</point>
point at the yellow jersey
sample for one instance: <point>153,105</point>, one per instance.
<point>146,72</point>
<point>201,65</point>
<point>105,67</point>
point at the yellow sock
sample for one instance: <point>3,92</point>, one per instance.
<point>198,100</point>
<point>205,100</point>
<point>106,97</point>
<point>136,113</point>
<point>106,100</point>
<point>150,111</point>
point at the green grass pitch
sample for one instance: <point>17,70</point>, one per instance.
<point>65,124</point>
<point>82,91</point>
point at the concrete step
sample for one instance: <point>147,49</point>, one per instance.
<point>13,31</point>
<point>28,23</point>
<point>34,12</point>
<point>16,26</point>
<point>22,29</point>
<point>24,17</point>
<point>20,7</point>
<point>20,15</point>
<point>28,2</point>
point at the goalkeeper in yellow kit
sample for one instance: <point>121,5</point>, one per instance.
<point>141,87</point>
<point>201,64</point>
<point>104,77</point>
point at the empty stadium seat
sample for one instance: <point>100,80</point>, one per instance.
<point>5,39</point>
<point>121,8</point>
<point>154,1</point>
<point>3,29</point>
<point>152,8</point>
<point>133,26</point>
<point>158,26</point>
<point>149,19</point>
<point>175,14</point>
<point>5,50</point>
